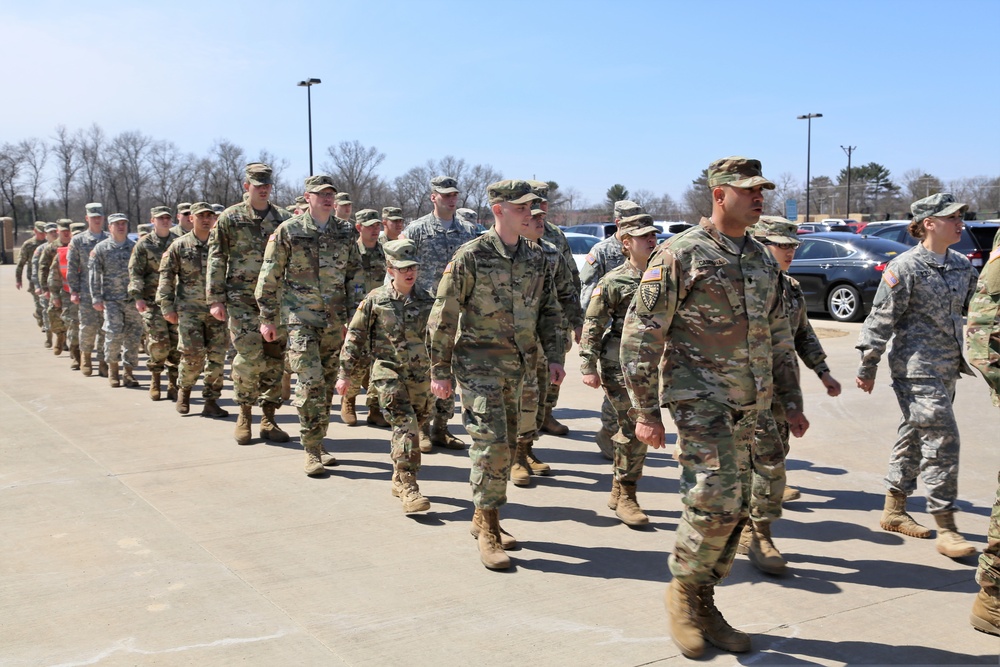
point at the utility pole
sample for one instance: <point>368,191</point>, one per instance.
<point>808,118</point>
<point>848,150</point>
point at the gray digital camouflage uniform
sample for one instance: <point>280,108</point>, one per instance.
<point>109,280</point>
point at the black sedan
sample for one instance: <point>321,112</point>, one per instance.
<point>839,271</point>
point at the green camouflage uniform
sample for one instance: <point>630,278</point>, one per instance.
<point>201,338</point>
<point>372,275</point>
<point>109,280</point>
<point>144,278</point>
<point>493,307</point>
<point>708,321</point>
<point>37,284</point>
<point>91,321</point>
<point>63,315</point>
<point>24,262</point>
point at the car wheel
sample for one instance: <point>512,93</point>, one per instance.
<point>844,303</point>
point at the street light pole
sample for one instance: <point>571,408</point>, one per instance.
<point>808,118</point>
<point>848,150</point>
<point>308,84</point>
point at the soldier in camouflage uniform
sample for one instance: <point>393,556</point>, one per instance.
<point>47,255</point>
<point>495,304</point>
<point>768,489</point>
<point>181,298</point>
<point>235,255</point>
<point>392,224</point>
<point>983,341</point>
<point>109,280</point>
<point>184,222</point>
<point>144,278</point>
<point>599,349</point>
<point>307,283</point>
<point>708,322</point>
<point>41,290</point>
<point>24,260</point>
<point>603,257</point>
<point>389,327</point>
<point>368,225</point>
<point>62,313</point>
<point>919,305</point>
<point>437,236</point>
<point>77,276</point>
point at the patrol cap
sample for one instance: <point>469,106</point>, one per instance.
<point>626,207</point>
<point>258,173</point>
<point>144,228</point>
<point>218,208</point>
<point>342,198</point>
<point>739,172</point>
<point>536,208</point>
<point>540,188</point>
<point>158,211</point>
<point>64,223</point>
<point>776,229</point>
<point>939,205</point>
<point>367,217</point>
<point>319,183</point>
<point>184,208</point>
<point>201,207</point>
<point>401,253</point>
<point>117,217</point>
<point>444,185</point>
<point>300,201</point>
<point>392,213</point>
<point>78,227</point>
<point>95,208</point>
<point>51,227</point>
<point>468,215</point>
<point>511,191</point>
<point>39,226</point>
<point>637,225</point>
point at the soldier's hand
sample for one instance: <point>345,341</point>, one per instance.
<point>140,305</point>
<point>832,386</point>
<point>865,385</point>
<point>57,302</point>
<point>218,310</point>
<point>170,317</point>
<point>556,373</point>
<point>18,283</point>
<point>269,332</point>
<point>797,423</point>
<point>99,307</point>
<point>342,386</point>
<point>577,334</point>
<point>75,298</point>
<point>651,433</point>
<point>592,380</point>
<point>441,388</point>
<point>39,291</point>
<point>46,294</point>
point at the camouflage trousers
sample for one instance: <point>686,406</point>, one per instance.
<point>928,442</point>
<point>39,306</point>
<point>406,406</point>
<point>257,366</point>
<point>630,452</point>
<point>498,412</point>
<point>202,342</point>
<point>91,333</point>
<point>161,340</point>
<point>713,449</point>
<point>768,461</point>
<point>988,573</point>
<point>54,314</point>
<point>46,324</point>
<point>65,319</point>
<point>314,356</point>
<point>122,332</point>
<point>361,378</point>
<point>552,393</point>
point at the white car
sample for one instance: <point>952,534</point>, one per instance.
<point>580,245</point>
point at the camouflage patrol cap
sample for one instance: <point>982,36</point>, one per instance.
<point>392,213</point>
<point>117,217</point>
<point>39,226</point>
<point>258,173</point>
<point>144,228</point>
<point>468,215</point>
<point>300,201</point>
<point>342,198</point>
<point>536,208</point>
<point>776,229</point>
<point>77,227</point>
<point>95,208</point>
<point>201,207</point>
<point>51,227</point>
<point>739,172</point>
<point>444,185</point>
<point>401,253</point>
<point>511,191</point>
<point>158,211</point>
<point>64,223</point>
<point>320,182</point>
<point>367,217</point>
<point>218,208</point>
<point>184,208</point>
<point>540,188</point>
<point>637,225</point>
<point>626,207</point>
<point>939,205</point>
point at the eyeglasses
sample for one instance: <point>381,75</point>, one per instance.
<point>406,269</point>
<point>782,246</point>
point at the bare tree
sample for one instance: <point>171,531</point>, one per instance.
<point>474,187</point>
<point>698,199</point>
<point>222,173</point>
<point>128,172</point>
<point>785,188</point>
<point>67,154</point>
<point>34,155</point>
<point>918,184</point>
<point>412,192</point>
<point>353,169</point>
<point>10,179</point>
<point>91,146</point>
<point>171,174</point>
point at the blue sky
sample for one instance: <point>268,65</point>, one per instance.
<point>584,93</point>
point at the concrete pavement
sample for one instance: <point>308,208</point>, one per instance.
<point>132,535</point>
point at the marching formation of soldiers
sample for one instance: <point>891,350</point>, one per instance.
<point>707,324</point>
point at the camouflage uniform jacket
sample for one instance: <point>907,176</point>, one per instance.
<point>567,291</point>
<point>919,305</point>
<point>807,344</point>
<point>24,257</point>
<point>144,267</point>
<point>557,237</point>
<point>372,265</point>
<point>709,322</point>
<point>435,246</point>
<point>236,252</point>
<point>80,248</point>
<point>492,310</point>
<point>46,253</point>
<point>389,328</point>
<point>602,329</point>
<point>309,277</point>
<point>182,276</point>
<point>983,336</point>
<point>109,270</point>
<point>603,257</point>
<point>55,283</point>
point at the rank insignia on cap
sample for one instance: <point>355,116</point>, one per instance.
<point>590,258</point>
<point>447,269</point>
<point>652,275</point>
<point>890,278</point>
<point>596,292</point>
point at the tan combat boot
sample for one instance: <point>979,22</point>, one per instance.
<point>628,509</point>
<point>211,409</point>
<point>538,467</point>
<point>507,540</point>
<point>406,489</point>
<point>985,615</point>
<point>154,385</point>
<point>424,438</point>
<point>172,383</point>
<point>491,552</point>
<point>128,379</point>
<point>184,401</point>
<point>790,493</point>
<point>113,378</point>
<point>74,352</point>
<point>242,431</point>
<point>86,364</point>
<point>949,541</point>
<point>57,347</point>
<point>762,552</point>
<point>325,457</point>
<point>895,518</point>
<point>442,437</point>
<point>714,627</point>
<point>682,605</point>
<point>314,466</point>
<point>102,369</point>
<point>550,425</point>
<point>520,471</point>
<point>746,535</point>
<point>616,490</point>
<point>48,339</point>
<point>347,412</point>
<point>605,444</point>
<point>375,417</point>
<point>269,429</point>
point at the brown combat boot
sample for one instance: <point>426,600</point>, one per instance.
<point>985,615</point>
<point>48,339</point>
<point>404,487</point>
<point>172,383</point>
<point>286,387</point>
<point>507,540</point>
<point>746,535</point>
<point>790,493</point>
<point>550,425</point>
<point>74,353</point>
<point>491,552</point>
<point>154,385</point>
<point>269,429</point>
<point>442,437</point>
<point>628,509</point>
<point>102,369</point>
<point>57,347</point>
<point>212,409</point>
<point>86,364</point>
<point>314,466</point>
<point>128,379</point>
<point>682,605</point>
<point>538,467</point>
<point>242,431</point>
<point>184,401</point>
<point>714,627</point>
<point>761,550</point>
<point>424,438</point>
<point>520,471</point>
<point>113,378</point>
<point>605,444</point>
<point>375,417</point>
<point>616,490</point>
<point>895,518</point>
<point>949,541</point>
<point>347,413</point>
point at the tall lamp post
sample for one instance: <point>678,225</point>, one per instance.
<point>808,118</point>
<point>848,150</point>
<point>308,84</point>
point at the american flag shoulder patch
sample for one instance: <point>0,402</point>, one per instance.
<point>890,278</point>
<point>447,268</point>
<point>590,258</point>
<point>652,275</point>
<point>596,292</point>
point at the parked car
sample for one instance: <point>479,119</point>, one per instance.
<point>854,225</point>
<point>976,242</point>
<point>580,245</point>
<point>601,230</point>
<point>671,227</point>
<point>813,227</point>
<point>840,272</point>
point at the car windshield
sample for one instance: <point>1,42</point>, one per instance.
<point>581,245</point>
